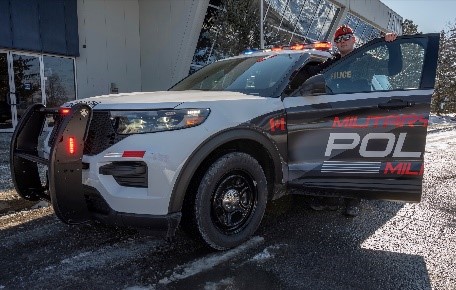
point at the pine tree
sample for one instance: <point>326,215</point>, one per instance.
<point>409,28</point>
<point>236,27</point>
<point>444,100</point>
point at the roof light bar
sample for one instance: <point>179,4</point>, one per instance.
<point>318,45</point>
<point>297,46</point>
<point>250,51</point>
<point>322,45</point>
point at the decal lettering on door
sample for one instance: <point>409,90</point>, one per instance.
<point>338,141</point>
<point>403,168</point>
<point>277,124</point>
<point>380,121</point>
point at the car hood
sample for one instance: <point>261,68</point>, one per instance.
<point>158,100</point>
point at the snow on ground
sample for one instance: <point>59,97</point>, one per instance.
<point>206,263</point>
<point>444,119</point>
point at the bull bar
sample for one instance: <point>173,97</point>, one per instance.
<point>64,165</point>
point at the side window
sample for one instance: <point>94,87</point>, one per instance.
<point>412,67</point>
<point>380,67</point>
<point>299,77</point>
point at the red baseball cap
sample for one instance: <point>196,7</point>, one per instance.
<point>342,30</point>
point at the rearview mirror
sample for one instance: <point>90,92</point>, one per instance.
<point>313,86</point>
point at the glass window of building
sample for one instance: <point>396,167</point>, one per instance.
<point>27,81</point>
<point>225,33</point>
<point>59,80</point>
<point>362,30</point>
<point>231,26</point>
<point>288,22</point>
<point>5,108</point>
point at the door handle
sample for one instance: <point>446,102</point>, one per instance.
<point>396,104</point>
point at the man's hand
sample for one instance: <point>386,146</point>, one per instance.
<point>390,37</point>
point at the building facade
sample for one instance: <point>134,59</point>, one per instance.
<point>52,51</point>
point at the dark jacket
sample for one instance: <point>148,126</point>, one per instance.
<point>365,68</point>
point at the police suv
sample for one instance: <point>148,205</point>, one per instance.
<point>209,153</point>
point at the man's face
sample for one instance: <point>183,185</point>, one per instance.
<point>345,43</point>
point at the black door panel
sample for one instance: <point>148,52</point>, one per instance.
<point>366,140</point>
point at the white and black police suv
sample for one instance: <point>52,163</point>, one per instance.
<point>210,152</point>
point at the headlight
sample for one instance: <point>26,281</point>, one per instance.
<point>134,122</point>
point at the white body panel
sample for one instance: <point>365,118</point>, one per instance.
<point>165,152</point>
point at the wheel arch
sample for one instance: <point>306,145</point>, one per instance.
<point>246,140</point>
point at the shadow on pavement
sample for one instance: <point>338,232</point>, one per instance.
<point>305,249</point>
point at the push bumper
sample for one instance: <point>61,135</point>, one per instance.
<point>64,163</point>
<point>73,202</point>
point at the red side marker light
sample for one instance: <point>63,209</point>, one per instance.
<point>139,154</point>
<point>71,145</point>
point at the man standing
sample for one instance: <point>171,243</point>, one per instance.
<point>345,42</point>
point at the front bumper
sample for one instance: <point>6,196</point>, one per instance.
<point>101,211</point>
<point>65,189</point>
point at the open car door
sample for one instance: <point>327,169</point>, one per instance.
<point>364,133</point>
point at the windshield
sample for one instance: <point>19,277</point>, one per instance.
<point>250,75</point>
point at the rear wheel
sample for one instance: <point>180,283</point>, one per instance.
<point>230,201</point>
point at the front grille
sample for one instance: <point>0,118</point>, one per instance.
<point>101,133</point>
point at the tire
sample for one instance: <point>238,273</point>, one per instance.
<point>230,201</point>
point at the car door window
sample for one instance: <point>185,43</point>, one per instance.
<point>381,66</point>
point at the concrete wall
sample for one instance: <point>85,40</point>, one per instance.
<point>135,45</point>
<point>109,47</point>
<point>169,31</point>
<point>148,45</point>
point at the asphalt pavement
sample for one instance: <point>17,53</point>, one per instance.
<point>390,245</point>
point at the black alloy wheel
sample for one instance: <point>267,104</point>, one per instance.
<point>233,202</point>
<point>230,201</point>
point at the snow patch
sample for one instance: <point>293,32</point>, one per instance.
<point>266,254</point>
<point>449,119</point>
<point>75,258</point>
<point>139,288</point>
<point>263,255</point>
<point>41,204</point>
<point>223,284</point>
<point>206,263</point>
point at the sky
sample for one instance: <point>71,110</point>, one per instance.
<point>429,15</point>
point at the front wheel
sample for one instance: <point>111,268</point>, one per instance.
<point>230,201</point>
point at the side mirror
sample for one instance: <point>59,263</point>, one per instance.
<point>314,86</point>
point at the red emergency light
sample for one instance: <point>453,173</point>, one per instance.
<point>65,111</point>
<point>71,145</point>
